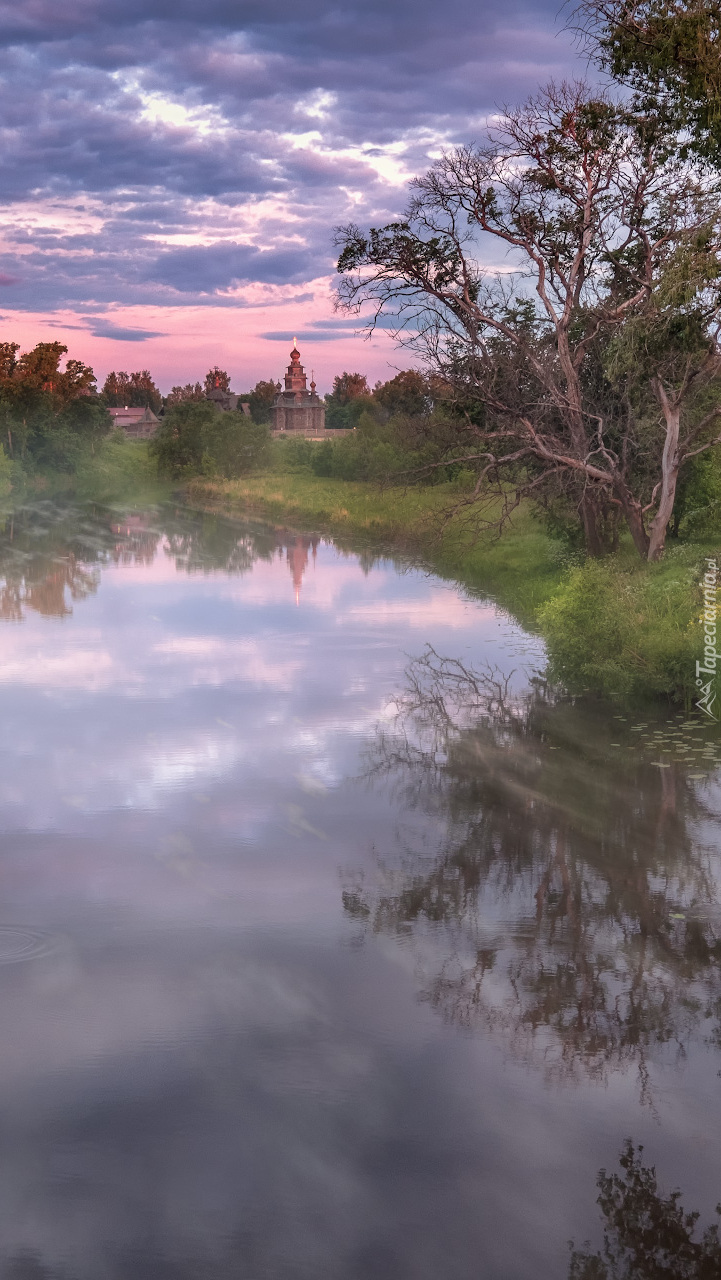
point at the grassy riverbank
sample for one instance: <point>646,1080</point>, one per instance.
<point>617,627</point>
<point>114,468</point>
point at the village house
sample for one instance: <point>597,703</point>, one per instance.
<point>138,422</point>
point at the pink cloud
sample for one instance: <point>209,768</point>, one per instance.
<point>193,339</point>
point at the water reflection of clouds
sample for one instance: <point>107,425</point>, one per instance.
<point>156,635</point>
<point>445,607</point>
<point>205,1078</point>
<point>215,660</point>
<point>65,666</point>
<point>163,767</point>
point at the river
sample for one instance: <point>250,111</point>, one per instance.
<point>334,943</point>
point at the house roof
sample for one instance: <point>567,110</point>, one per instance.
<point>133,415</point>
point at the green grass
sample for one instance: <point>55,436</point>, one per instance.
<point>113,468</point>
<point>622,628</point>
<point>119,468</point>
<point>619,627</point>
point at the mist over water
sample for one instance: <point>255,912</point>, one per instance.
<point>333,941</point>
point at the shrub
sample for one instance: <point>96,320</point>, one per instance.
<point>322,460</point>
<point>233,444</point>
<point>360,456</point>
<point>625,632</point>
<point>697,511</point>
<point>196,438</point>
<point>297,453</point>
<point>178,443</point>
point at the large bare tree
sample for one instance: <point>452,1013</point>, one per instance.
<point>589,345</point>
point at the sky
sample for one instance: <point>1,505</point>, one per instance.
<point>173,172</point>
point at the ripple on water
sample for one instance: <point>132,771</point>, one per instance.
<point>18,942</point>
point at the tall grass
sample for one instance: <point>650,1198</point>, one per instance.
<point>118,467</point>
<point>113,467</point>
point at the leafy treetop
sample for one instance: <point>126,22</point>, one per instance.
<point>668,52</point>
<point>132,390</point>
<point>408,394</point>
<point>349,386</point>
<point>39,370</point>
<point>178,395</point>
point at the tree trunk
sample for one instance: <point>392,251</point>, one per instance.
<point>669,477</point>
<point>591,530</point>
<point>633,515</point>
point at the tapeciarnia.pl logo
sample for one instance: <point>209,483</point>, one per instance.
<point>710,657</point>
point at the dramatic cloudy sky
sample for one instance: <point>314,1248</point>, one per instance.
<point>173,169</point>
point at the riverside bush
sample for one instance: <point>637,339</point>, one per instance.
<point>386,453</point>
<point>357,455</point>
<point>697,512</point>
<point>625,632</point>
<point>412,451</point>
<point>196,438</point>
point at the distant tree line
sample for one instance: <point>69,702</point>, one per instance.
<point>391,428</point>
<point>51,410</point>
<point>132,391</point>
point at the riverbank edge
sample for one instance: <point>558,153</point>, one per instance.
<point>402,523</point>
<point>617,628</point>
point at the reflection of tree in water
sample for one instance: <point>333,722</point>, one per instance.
<point>201,542</point>
<point>204,542</point>
<point>136,538</point>
<point>52,555</point>
<point>46,560</point>
<point>567,904</point>
<point>647,1235</point>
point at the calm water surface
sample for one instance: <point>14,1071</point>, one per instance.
<point>333,944</point>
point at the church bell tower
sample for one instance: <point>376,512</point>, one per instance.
<point>298,408</point>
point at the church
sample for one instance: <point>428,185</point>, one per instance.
<point>298,408</point>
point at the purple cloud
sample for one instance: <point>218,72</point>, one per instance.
<point>181,150</point>
<point>101,328</point>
